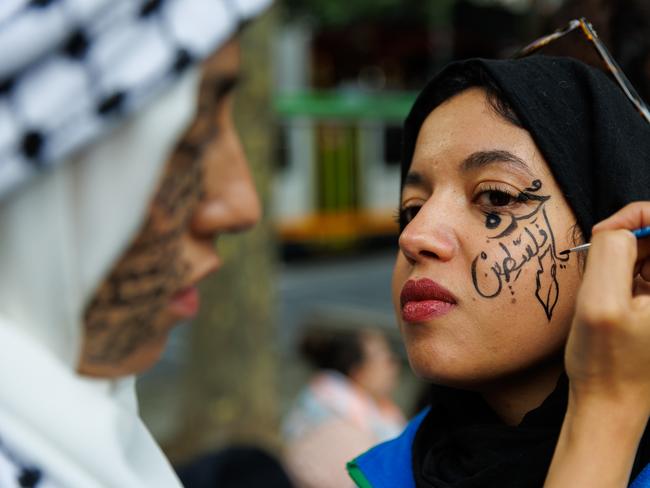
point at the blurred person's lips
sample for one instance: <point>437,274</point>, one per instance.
<point>185,303</point>
<point>425,299</point>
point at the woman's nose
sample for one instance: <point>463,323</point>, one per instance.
<point>231,202</point>
<point>429,235</point>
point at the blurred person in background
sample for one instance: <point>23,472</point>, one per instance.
<point>119,166</point>
<point>346,406</point>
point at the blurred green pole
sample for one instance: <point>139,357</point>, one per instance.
<point>229,393</point>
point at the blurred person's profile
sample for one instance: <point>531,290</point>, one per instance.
<point>119,166</point>
<point>345,408</point>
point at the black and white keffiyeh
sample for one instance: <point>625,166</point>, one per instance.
<point>14,472</point>
<point>78,79</point>
<point>71,69</point>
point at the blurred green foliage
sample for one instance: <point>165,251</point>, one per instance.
<point>341,13</point>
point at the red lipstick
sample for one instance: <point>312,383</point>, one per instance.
<point>425,299</point>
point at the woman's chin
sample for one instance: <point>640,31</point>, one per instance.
<point>446,369</point>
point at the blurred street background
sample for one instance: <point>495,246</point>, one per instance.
<point>326,86</point>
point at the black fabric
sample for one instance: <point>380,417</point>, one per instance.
<point>463,444</point>
<point>235,467</point>
<point>598,149</point>
<point>596,144</point>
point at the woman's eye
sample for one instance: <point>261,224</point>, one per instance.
<point>406,214</point>
<point>496,198</point>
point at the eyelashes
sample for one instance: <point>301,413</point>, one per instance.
<point>404,215</point>
<point>496,197</point>
<point>491,198</point>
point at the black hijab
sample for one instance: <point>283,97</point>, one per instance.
<point>463,444</point>
<point>595,142</point>
<point>598,148</point>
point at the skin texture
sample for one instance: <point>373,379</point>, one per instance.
<point>205,190</point>
<point>497,254</point>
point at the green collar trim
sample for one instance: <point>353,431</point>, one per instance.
<point>357,475</point>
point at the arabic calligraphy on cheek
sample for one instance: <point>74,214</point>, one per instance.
<point>122,316</point>
<point>525,241</point>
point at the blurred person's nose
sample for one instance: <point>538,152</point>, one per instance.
<point>230,202</point>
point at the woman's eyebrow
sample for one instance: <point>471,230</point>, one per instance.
<point>413,178</point>
<point>480,159</point>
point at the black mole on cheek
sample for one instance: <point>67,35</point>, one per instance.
<point>492,221</point>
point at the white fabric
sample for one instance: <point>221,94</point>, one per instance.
<point>80,433</point>
<point>56,91</point>
<point>60,236</point>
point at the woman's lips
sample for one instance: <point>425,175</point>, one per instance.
<point>185,304</point>
<point>425,299</point>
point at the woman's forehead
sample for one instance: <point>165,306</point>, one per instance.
<point>465,134</point>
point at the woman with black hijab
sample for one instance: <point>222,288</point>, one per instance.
<point>505,165</point>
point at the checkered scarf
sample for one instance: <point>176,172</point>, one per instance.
<point>72,69</point>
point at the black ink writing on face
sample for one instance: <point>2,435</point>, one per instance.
<point>527,195</point>
<point>535,243</point>
<point>126,311</point>
<point>492,221</point>
<point>548,289</point>
<point>123,315</point>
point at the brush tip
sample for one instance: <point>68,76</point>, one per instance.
<point>566,251</point>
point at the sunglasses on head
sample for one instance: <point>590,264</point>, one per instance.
<point>603,58</point>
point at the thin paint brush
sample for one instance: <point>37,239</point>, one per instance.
<point>639,233</point>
